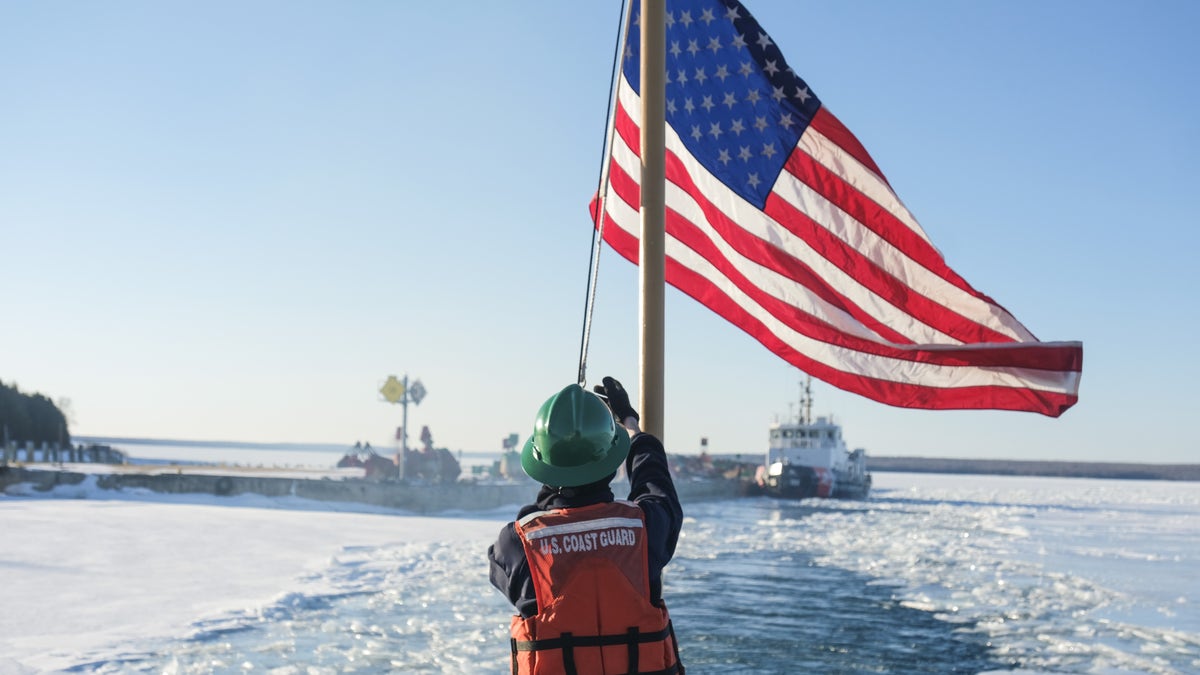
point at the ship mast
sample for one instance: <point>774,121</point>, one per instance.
<point>806,400</point>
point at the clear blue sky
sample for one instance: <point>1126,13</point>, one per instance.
<point>232,221</point>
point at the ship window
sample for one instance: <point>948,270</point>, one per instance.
<point>775,433</point>
<point>787,434</point>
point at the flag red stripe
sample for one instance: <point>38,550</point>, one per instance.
<point>763,253</point>
<point>875,217</point>
<point>752,248</point>
<point>1006,354</point>
<point>849,260</point>
<point>1041,356</point>
<point>833,129</point>
<point>866,272</point>
<point>901,394</point>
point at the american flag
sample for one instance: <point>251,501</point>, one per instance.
<point>778,220</point>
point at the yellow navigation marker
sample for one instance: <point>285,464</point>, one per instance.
<point>392,390</point>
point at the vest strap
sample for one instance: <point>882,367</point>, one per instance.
<point>568,656</point>
<point>675,646</point>
<point>631,638</point>
<point>632,641</point>
<point>590,640</point>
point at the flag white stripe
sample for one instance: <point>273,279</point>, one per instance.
<point>892,260</point>
<point>882,253</point>
<point>831,155</point>
<point>863,238</point>
<point>765,278</point>
<point>850,361</point>
<point>760,225</point>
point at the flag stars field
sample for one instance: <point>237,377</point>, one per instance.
<point>712,91</point>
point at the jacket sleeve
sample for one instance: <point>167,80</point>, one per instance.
<point>509,571</point>
<point>651,488</point>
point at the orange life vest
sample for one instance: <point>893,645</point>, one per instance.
<point>591,576</point>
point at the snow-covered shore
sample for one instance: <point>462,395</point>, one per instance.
<point>87,577</point>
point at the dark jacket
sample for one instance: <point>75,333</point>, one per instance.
<point>650,487</point>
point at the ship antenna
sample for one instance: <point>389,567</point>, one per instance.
<point>806,401</point>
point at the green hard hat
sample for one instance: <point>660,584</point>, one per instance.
<point>575,440</point>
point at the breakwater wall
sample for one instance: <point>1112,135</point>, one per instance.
<point>417,498</point>
<point>1048,468</point>
<point>409,497</point>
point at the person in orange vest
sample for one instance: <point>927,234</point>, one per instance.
<point>584,570</point>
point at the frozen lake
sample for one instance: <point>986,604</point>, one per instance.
<point>935,573</point>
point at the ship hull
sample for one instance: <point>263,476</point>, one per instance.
<point>797,481</point>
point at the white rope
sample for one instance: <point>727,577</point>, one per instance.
<point>601,197</point>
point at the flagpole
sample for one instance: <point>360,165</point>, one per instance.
<point>652,247</point>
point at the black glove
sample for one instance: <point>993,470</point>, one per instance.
<point>618,401</point>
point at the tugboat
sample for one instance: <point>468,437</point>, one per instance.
<point>807,458</point>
